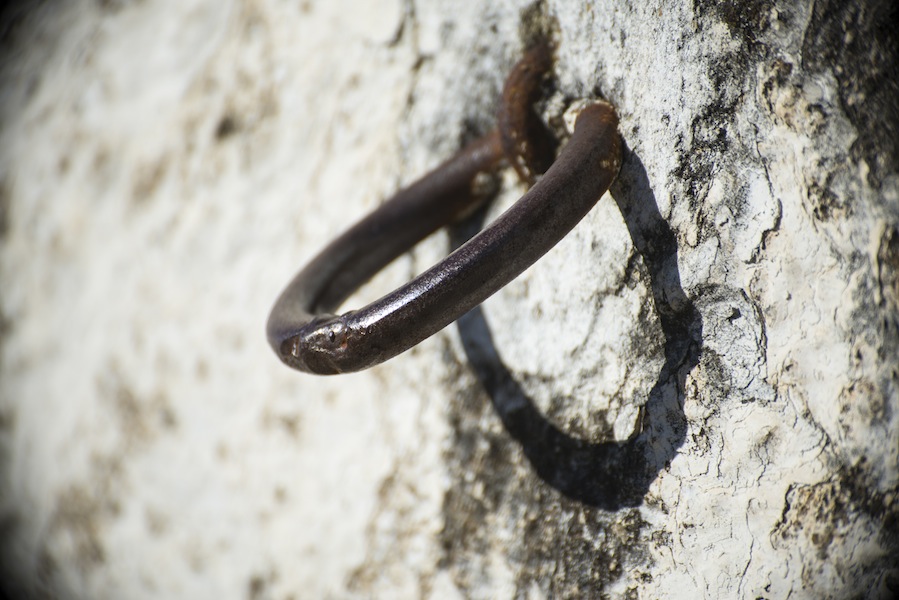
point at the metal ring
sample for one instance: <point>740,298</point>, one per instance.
<point>307,336</point>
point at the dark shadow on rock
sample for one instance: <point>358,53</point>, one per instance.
<point>616,474</point>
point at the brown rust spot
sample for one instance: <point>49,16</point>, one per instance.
<point>527,142</point>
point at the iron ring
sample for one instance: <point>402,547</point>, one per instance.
<point>306,335</point>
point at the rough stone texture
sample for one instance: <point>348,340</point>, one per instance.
<point>696,394</point>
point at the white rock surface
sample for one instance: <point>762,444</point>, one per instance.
<point>723,327</point>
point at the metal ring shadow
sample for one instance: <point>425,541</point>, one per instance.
<point>609,475</point>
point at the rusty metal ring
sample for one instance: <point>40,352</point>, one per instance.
<point>306,335</point>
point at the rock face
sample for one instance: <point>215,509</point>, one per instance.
<point>696,394</point>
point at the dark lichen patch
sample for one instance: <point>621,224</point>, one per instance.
<point>746,20</point>
<point>81,512</point>
<point>825,202</point>
<point>497,504</point>
<point>288,423</point>
<point>869,403</point>
<point>26,36</point>
<point>74,535</point>
<point>47,566</point>
<point>783,91</point>
<point>780,72</point>
<point>711,146</point>
<point>391,535</point>
<point>248,113</point>
<point>11,574</point>
<point>715,378</point>
<point>887,267</point>
<point>227,126</point>
<point>537,25</point>
<point>729,75</point>
<point>256,587</point>
<point>474,497</point>
<point>140,417</point>
<point>259,584</point>
<point>575,553</point>
<point>148,179</point>
<point>7,418</point>
<point>858,42</point>
<point>646,338</point>
<point>863,402</point>
<point>826,513</point>
<point>5,203</point>
<point>113,6</point>
<point>698,156</point>
<point>6,327</point>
